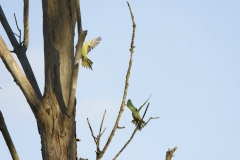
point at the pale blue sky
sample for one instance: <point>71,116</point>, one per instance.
<point>186,56</point>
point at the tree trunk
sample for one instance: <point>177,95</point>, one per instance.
<point>57,127</point>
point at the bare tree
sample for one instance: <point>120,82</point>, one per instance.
<point>55,109</point>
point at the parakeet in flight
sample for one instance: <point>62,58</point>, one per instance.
<point>89,45</point>
<point>137,120</point>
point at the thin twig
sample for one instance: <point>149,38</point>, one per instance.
<point>8,29</point>
<point>7,138</point>
<point>169,153</point>
<point>18,29</point>
<point>99,134</point>
<point>145,111</point>
<point>94,138</point>
<point>16,34</point>
<point>118,127</point>
<point>149,120</point>
<point>26,24</point>
<point>103,132</point>
<point>134,28</point>
<point>126,86</point>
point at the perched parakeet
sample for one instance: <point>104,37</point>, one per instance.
<point>89,45</point>
<point>137,120</point>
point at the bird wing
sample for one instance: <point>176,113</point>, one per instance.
<point>130,106</point>
<point>93,43</point>
<point>144,104</point>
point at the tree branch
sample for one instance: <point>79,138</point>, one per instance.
<point>134,132</point>
<point>169,153</point>
<point>21,54</point>
<point>7,138</point>
<point>18,29</point>
<point>149,120</point>
<point>126,85</point>
<point>97,139</point>
<point>19,76</point>
<point>94,138</point>
<point>100,134</point>
<point>25,22</point>
<point>81,38</point>
<point>8,29</point>
<point>130,139</point>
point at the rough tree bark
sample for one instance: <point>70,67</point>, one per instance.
<point>56,125</point>
<point>55,110</point>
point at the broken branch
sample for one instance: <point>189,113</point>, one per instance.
<point>169,153</point>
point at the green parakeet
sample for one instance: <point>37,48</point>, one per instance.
<point>89,45</point>
<point>137,120</point>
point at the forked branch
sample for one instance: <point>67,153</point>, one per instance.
<point>20,52</point>
<point>8,138</point>
<point>98,138</point>
<point>19,76</point>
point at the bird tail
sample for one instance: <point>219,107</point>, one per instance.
<point>87,63</point>
<point>139,123</point>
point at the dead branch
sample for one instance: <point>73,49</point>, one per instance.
<point>149,120</point>
<point>134,29</point>
<point>169,153</point>
<point>130,139</point>
<point>100,134</point>
<point>18,29</point>
<point>145,110</point>
<point>94,138</point>
<point>18,76</point>
<point>126,86</point>
<point>8,29</point>
<point>134,132</point>
<point>98,138</point>
<point>103,132</point>
<point>8,138</point>
<point>26,24</point>
<point>81,38</point>
<point>21,54</point>
<point>118,127</point>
